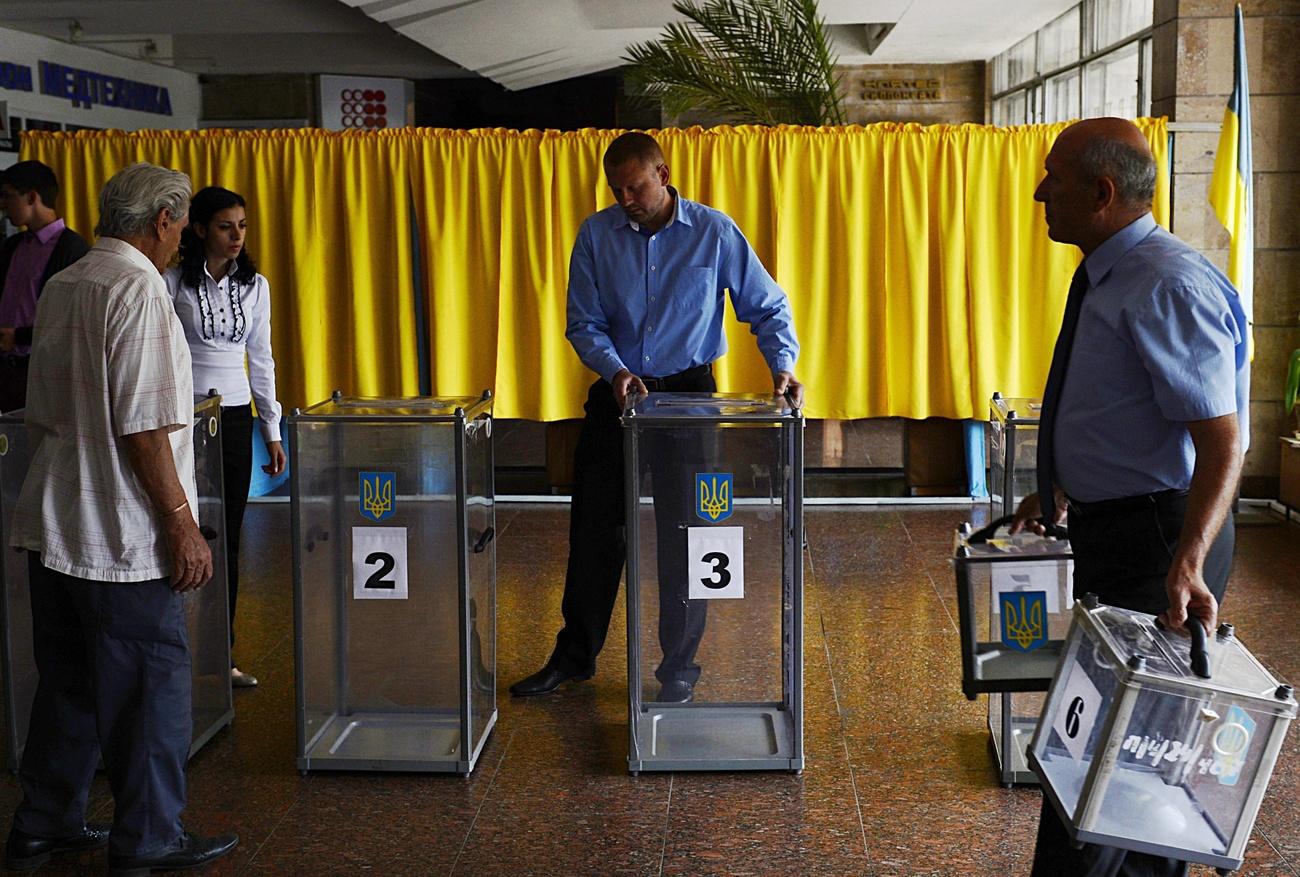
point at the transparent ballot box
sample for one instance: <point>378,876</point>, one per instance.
<point>1158,742</point>
<point>206,609</point>
<point>715,582</point>
<point>394,582</point>
<point>1014,596</point>
<point>16,649</point>
<point>1013,451</point>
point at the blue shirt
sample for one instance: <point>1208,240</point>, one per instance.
<point>1161,341</point>
<point>653,303</point>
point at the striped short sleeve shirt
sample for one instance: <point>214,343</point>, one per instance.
<point>109,360</point>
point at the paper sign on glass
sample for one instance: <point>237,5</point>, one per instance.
<point>1076,713</point>
<point>379,563</point>
<point>1035,575</point>
<point>716,569</point>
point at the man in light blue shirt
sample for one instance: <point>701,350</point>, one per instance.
<point>647,281</point>
<point>1143,443</point>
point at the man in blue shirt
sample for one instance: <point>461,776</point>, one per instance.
<point>646,285</point>
<point>1147,433</point>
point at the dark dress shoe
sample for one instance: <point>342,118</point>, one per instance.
<point>190,851</point>
<point>545,680</point>
<point>676,691</point>
<point>27,852</point>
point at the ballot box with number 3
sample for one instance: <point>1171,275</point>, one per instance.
<point>394,583</point>
<point>714,492</point>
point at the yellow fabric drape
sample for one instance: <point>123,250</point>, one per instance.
<point>329,226</point>
<point>917,263</point>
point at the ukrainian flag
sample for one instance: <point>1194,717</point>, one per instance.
<point>1230,186</point>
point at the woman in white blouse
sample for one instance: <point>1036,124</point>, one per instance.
<point>224,306</point>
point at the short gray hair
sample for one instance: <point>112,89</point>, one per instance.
<point>134,197</point>
<point>1133,170</point>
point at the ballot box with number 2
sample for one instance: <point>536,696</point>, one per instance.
<point>714,492</point>
<point>394,582</point>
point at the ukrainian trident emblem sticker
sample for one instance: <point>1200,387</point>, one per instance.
<point>376,494</point>
<point>713,496</point>
<point>1024,614</point>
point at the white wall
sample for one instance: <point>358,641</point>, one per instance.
<point>29,50</point>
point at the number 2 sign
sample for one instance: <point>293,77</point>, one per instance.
<point>379,563</point>
<point>717,563</point>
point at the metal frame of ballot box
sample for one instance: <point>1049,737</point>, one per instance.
<point>207,609</point>
<point>995,668</point>
<point>684,736</point>
<point>406,736</point>
<point>1203,699</point>
<point>1006,418</point>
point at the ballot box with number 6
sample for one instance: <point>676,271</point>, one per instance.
<point>1013,451</point>
<point>206,609</point>
<point>1156,741</point>
<point>714,491</point>
<point>1014,595</point>
<point>394,582</point>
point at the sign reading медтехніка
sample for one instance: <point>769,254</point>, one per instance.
<point>85,88</point>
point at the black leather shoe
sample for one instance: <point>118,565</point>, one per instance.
<point>190,851</point>
<point>27,852</point>
<point>546,680</point>
<point>676,691</point>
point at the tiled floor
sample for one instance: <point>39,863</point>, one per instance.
<point>898,777</point>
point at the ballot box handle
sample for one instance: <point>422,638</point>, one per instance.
<point>1200,657</point>
<point>486,537</point>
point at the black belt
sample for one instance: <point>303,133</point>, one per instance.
<point>13,360</point>
<point>660,385</point>
<point>1123,504</point>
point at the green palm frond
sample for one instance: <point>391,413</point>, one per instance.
<point>764,61</point>
<point>1292,395</point>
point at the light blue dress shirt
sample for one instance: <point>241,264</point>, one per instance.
<point>653,303</point>
<point>1161,341</point>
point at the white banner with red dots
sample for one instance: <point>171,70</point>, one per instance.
<point>355,103</point>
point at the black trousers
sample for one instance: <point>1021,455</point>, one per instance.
<point>597,546</point>
<point>1122,553</point>
<point>114,665</point>
<point>237,470</point>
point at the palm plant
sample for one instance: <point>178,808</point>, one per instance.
<point>763,61</point>
<point>1292,395</point>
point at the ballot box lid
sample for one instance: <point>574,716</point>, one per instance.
<point>974,545</point>
<point>207,403</point>
<point>1023,410</point>
<point>448,408</point>
<point>1166,656</point>
<point>709,407</point>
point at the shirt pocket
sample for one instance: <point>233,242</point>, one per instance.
<point>694,289</point>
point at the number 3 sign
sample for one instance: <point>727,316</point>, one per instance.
<point>717,563</point>
<point>379,563</point>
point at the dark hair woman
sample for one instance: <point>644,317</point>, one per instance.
<point>224,306</point>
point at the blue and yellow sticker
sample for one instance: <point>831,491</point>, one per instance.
<point>377,495</point>
<point>713,496</point>
<point>1024,619</point>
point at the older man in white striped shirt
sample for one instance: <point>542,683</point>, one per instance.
<point>107,516</point>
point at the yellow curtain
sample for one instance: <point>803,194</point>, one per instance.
<point>329,226</point>
<point>917,263</point>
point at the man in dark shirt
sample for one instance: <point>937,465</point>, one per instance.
<point>28,191</point>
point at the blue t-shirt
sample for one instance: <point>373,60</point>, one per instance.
<point>1161,341</point>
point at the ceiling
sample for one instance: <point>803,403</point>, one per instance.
<point>517,43</point>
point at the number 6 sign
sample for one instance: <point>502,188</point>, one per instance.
<point>717,563</point>
<point>379,563</point>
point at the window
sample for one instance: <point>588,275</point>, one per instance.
<point>1092,60</point>
<point>1110,21</point>
<point>1061,96</point>
<point>1058,42</point>
<point>1111,84</point>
